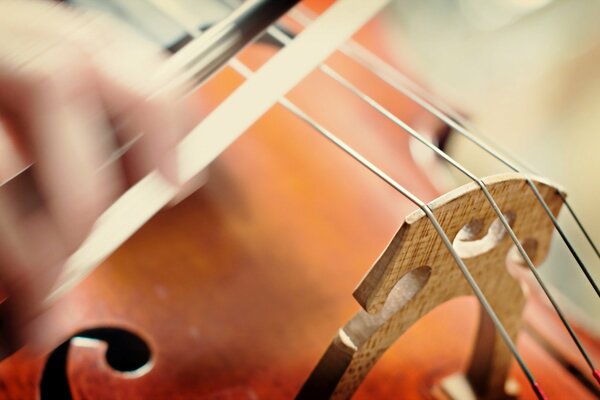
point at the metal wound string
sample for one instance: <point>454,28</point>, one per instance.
<point>462,128</point>
<point>452,118</point>
<point>246,72</point>
<point>284,39</point>
<point>428,212</point>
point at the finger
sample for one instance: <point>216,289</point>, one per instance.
<point>69,139</point>
<point>160,122</point>
<point>129,85</point>
<point>13,157</point>
<point>31,252</point>
<point>156,120</point>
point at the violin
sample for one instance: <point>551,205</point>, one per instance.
<point>300,269</point>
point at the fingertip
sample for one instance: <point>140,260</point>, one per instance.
<point>188,188</point>
<point>168,168</point>
<point>162,125</point>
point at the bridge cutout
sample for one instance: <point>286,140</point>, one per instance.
<point>358,346</point>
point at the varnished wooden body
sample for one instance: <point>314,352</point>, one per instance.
<point>239,288</point>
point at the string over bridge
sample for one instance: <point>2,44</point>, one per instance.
<point>416,273</point>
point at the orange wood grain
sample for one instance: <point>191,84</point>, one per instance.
<point>239,288</point>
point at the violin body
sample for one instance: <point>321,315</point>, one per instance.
<point>235,292</point>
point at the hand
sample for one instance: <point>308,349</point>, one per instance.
<point>67,78</point>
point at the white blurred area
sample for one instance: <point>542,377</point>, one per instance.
<point>527,73</point>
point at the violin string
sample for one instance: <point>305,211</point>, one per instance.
<point>284,39</point>
<point>469,131</point>
<point>246,72</point>
<point>393,77</point>
<point>370,101</point>
<point>580,225</point>
<point>463,129</point>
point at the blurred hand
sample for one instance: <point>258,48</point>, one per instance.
<point>67,78</point>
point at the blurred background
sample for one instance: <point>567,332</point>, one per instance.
<point>525,72</point>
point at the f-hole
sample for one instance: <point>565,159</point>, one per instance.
<point>126,352</point>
